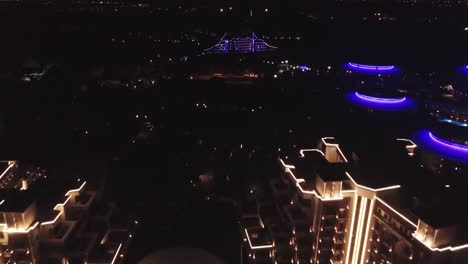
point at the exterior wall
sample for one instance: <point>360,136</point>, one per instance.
<point>391,237</point>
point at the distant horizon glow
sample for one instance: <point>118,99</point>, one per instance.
<point>381,103</point>
<point>442,147</point>
<point>377,69</point>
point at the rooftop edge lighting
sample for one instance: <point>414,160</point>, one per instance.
<point>76,190</point>
<point>7,169</point>
<point>116,253</point>
<point>337,146</point>
<point>250,243</point>
<point>449,248</point>
<point>372,189</point>
<point>396,212</point>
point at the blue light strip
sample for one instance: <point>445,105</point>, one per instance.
<point>453,122</point>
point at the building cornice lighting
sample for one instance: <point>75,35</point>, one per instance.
<point>450,248</point>
<point>76,190</point>
<point>337,146</point>
<point>396,212</point>
<point>62,204</point>
<point>371,189</point>
<point>310,150</point>
<point>53,221</point>
<point>116,254</point>
<point>7,169</point>
<point>255,247</point>
<point>412,144</point>
<point>20,230</point>
<point>299,180</point>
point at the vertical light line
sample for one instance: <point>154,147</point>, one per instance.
<point>354,204</point>
<point>359,229</point>
<point>366,237</point>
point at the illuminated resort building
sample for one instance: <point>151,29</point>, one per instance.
<point>251,44</point>
<point>353,203</point>
<point>56,221</point>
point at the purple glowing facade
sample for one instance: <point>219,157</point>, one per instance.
<point>442,147</point>
<point>240,45</point>
<point>371,69</point>
<point>381,103</point>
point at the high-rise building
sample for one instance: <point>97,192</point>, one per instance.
<point>56,221</point>
<point>344,203</point>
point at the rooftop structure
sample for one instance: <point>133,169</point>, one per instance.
<point>240,45</point>
<point>348,202</point>
<point>64,224</point>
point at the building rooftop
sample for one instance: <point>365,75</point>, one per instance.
<point>385,162</point>
<point>312,163</point>
<point>379,163</point>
